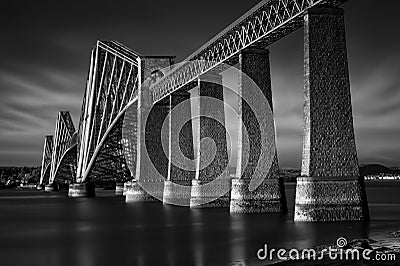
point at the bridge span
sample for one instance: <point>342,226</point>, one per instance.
<point>126,88</point>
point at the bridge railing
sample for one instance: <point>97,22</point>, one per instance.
<point>264,24</point>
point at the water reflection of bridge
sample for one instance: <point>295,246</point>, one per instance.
<point>135,93</point>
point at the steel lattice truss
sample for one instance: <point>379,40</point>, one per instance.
<point>112,83</point>
<point>263,25</point>
<point>46,159</point>
<point>109,163</point>
<point>63,163</point>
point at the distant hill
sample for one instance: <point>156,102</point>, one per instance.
<point>15,174</point>
<point>375,169</point>
<point>290,175</point>
<point>396,169</point>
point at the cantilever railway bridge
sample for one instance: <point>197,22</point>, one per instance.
<point>121,81</point>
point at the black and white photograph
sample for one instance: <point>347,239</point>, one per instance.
<point>200,133</point>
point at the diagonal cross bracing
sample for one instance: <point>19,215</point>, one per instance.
<point>64,141</point>
<point>46,159</point>
<point>263,25</point>
<point>112,83</point>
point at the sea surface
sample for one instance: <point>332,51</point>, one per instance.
<point>38,228</point>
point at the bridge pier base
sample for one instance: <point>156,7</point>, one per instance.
<point>269,196</point>
<point>204,191</point>
<point>135,193</point>
<point>126,185</point>
<point>119,189</point>
<point>330,199</point>
<point>330,188</point>
<point>51,187</point>
<point>176,196</point>
<point>79,190</point>
<point>212,162</point>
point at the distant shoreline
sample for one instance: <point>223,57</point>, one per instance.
<point>382,178</point>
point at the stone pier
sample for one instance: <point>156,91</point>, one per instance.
<point>130,143</point>
<point>269,196</point>
<point>152,162</point>
<point>211,141</point>
<point>119,189</point>
<point>330,188</point>
<point>135,193</point>
<point>126,185</point>
<point>181,155</point>
<point>51,187</point>
<point>78,190</point>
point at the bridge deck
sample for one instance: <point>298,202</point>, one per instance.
<point>263,25</point>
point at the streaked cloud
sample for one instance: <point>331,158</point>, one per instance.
<point>46,50</point>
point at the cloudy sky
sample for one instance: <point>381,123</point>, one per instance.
<point>45,51</point>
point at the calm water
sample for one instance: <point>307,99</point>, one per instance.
<point>37,228</point>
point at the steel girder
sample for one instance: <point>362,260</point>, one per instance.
<point>112,83</point>
<point>46,159</point>
<point>66,170</point>
<point>263,25</point>
<point>64,140</point>
<point>108,163</point>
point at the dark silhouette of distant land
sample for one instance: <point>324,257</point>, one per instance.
<point>32,174</point>
<point>376,169</point>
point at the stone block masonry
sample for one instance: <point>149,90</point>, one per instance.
<point>269,196</point>
<point>152,162</point>
<point>181,166</point>
<point>78,190</point>
<point>212,154</point>
<point>330,188</point>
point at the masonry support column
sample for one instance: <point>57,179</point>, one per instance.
<point>81,189</point>
<point>330,188</point>
<point>130,146</point>
<point>152,161</point>
<point>181,164</point>
<point>51,187</point>
<point>212,154</point>
<point>85,189</point>
<point>269,196</point>
<point>119,189</point>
